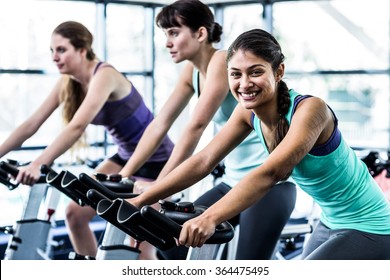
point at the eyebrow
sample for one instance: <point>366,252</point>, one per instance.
<point>251,67</point>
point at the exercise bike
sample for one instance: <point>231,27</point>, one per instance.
<point>159,228</point>
<point>107,197</point>
<point>113,246</point>
<point>31,237</point>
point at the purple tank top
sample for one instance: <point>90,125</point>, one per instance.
<point>126,120</point>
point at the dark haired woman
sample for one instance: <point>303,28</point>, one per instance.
<point>301,135</point>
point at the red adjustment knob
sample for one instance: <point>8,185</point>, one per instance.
<point>115,178</point>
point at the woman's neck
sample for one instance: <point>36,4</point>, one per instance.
<point>85,73</point>
<point>202,59</point>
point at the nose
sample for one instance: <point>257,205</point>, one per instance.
<point>245,82</point>
<point>168,43</point>
<point>54,57</point>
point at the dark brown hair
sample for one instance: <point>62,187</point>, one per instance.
<point>191,13</point>
<point>264,45</point>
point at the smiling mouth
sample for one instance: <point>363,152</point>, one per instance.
<point>249,95</point>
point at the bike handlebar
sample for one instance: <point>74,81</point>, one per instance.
<point>223,233</point>
<point>106,188</point>
<point>150,225</point>
<point>7,169</point>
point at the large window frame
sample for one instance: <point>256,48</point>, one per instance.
<point>154,98</point>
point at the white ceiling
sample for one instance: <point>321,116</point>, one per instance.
<point>164,2</point>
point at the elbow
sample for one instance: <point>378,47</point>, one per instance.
<point>76,129</point>
<point>197,127</point>
<point>205,162</point>
<point>277,175</point>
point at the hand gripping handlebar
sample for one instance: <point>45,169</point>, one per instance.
<point>7,169</point>
<point>223,233</point>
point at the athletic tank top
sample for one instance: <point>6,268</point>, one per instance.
<point>246,156</point>
<point>125,120</point>
<point>339,183</point>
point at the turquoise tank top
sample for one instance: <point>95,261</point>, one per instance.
<point>340,184</point>
<point>246,156</point>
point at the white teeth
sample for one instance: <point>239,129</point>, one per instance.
<point>252,94</point>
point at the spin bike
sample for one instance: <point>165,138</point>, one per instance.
<point>31,238</point>
<point>159,228</point>
<point>107,196</point>
<point>112,247</point>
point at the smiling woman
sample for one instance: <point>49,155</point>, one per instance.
<point>355,218</point>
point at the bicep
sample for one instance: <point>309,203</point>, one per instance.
<point>213,94</point>
<point>307,125</point>
<point>98,93</point>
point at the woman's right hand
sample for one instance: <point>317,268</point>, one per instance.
<point>28,175</point>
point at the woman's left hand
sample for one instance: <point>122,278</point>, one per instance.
<point>196,231</point>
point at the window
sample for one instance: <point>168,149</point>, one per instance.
<point>339,51</point>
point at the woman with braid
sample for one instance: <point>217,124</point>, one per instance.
<point>301,135</point>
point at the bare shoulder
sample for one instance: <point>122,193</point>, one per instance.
<point>313,104</point>
<point>244,115</point>
<point>219,58</point>
<point>186,74</point>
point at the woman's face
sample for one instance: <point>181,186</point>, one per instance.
<point>64,55</point>
<point>181,42</point>
<point>251,79</point>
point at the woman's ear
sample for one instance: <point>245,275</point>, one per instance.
<point>202,34</point>
<point>280,72</point>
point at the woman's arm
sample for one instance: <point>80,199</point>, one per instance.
<point>30,126</point>
<point>159,127</point>
<point>201,164</point>
<point>103,83</point>
<point>311,124</point>
<point>212,95</point>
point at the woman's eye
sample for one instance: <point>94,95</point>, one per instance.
<point>256,73</point>
<point>235,74</point>
<point>173,33</point>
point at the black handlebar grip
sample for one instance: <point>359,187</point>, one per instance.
<point>161,220</point>
<point>130,217</point>
<point>95,196</point>
<point>45,169</point>
<point>223,233</point>
<point>93,184</point>
<point>9,168</point>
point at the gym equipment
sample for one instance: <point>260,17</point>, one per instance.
<point>376,164</point>
<point>30,237</point>
<point>106,195</point>
<point>292,239</point>
<point>158,228</point>
<point>113,186</point>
